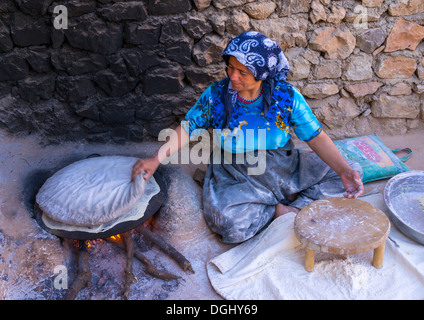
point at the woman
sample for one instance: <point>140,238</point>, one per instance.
<point>256,97</point>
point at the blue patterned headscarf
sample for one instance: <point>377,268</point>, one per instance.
<point>264,59</point>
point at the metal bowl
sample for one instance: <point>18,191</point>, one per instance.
<point>404,196</point>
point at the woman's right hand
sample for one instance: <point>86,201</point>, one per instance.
<point>147,166</point>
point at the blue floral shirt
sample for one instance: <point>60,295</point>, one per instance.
<point>249,128</point>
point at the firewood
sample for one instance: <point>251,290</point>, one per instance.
<point>129,276</point>
<point>149,268</point>
<point>167,248</point>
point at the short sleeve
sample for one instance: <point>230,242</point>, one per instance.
<point>199,116</point>
<point>305,125</point>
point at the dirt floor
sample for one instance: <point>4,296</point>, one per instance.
<point>30,256</point>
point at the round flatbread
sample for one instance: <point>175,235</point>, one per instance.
<point>92,191</point>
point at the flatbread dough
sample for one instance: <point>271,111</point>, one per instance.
<point>134,213</point>
<point>92,191</point>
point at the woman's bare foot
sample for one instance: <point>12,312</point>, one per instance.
<point>281,209</point>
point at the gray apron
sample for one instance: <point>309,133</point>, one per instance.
<point>237,205</point>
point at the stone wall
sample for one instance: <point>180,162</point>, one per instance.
<point>124,70</point>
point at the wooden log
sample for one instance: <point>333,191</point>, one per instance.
<point>129,276</point>
<point>149,268</point>
<point>83,278</point>
<point>166,247</point>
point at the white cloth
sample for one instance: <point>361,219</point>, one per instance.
<point>92,191</point>
<point>271,266</point>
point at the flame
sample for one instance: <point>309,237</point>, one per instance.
<point>90,243</point>
<point>116,237</point>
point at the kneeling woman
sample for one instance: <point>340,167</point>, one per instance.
<point>255,97</point>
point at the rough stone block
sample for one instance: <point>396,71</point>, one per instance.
<point>406,8</point>
<point>180,52</point>
<point>164,80</point>
<point>114,84</point>
<point>16,115</point>
<point>370,39</point>
<point>33,89</point>
<point>319,91</point>
<point>29,31</point>
<point>336,43</point>
<point>117,111</point>
<point>202,4</point>
<point>404,35</point>
<point>239,22</point>
<point>165,7</point>
<point>172,31</point>
<point>34,7</point>
<point>208,50</point>
<point>362,89</point>
<point>93,34</point>
<point>13,66</point>
<point>260,10</point>
<point>396,67</point>
<point>328,69</point>
<point>200,78</point>
<point>77,62</point>
<point>74,89</point>
<point>137,61</point>
<point>197,27</point>
<point>287,32</point>
<point>358,67</point>
<point>6,43</point>
<point>142,33</point>
<point>341,113</point>
<point>396,107</point>
<point>39,59</point>
<point>300,66</point>
<point>133,10</point>
<point>222,4</point>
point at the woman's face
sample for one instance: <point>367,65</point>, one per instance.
<point>241,78</point>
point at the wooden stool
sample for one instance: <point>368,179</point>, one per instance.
<point>341,226</point>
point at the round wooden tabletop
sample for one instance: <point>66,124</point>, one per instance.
<point>341,226</point>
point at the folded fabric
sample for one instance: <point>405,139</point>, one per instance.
<point>91,192</point>
<point>271,266</point>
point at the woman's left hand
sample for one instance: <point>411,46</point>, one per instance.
<point>352,183</point>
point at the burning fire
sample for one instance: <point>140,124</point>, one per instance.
<point>90,243</point>
<point>118,237</point>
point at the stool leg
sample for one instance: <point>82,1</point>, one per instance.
<point>377,260</point>
<point>309,259</point>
